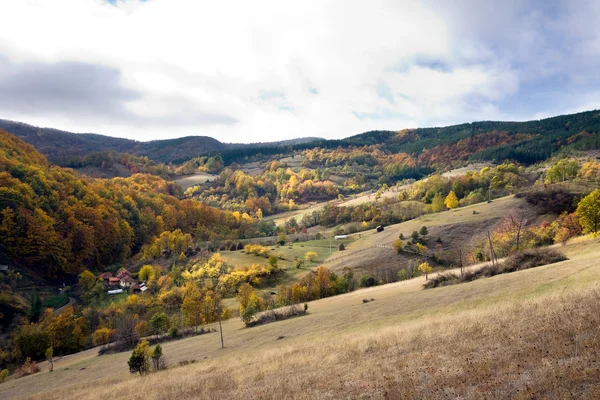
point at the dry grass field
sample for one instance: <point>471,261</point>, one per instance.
<point>459,227</point>
<point>528,334</point>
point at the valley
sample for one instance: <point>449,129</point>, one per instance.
<point>114,249</point>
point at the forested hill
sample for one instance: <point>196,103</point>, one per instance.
<point>525,142</point>
<point>56,222</point>
<point>65,148</point>
<point>61,146</point>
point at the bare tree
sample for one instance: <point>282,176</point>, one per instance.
<point>517,221</point>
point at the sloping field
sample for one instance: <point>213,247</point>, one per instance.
<point>459,227</point>
<point>529,334</point>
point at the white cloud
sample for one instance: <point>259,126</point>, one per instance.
<point>257,71</point>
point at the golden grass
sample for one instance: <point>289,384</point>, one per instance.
<point>529,334</point>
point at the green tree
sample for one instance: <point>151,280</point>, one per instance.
<point>588,211</point>
<point>561,171</point>
<point>159,322</point>
<point>138,362</point>
<point>424,231</point>
<point>35,308</point>
<point>414,236</point>
<point>158,359</point>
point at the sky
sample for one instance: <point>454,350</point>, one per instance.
<point>250,71</point>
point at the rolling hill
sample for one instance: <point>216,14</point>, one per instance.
<point>58,146</point>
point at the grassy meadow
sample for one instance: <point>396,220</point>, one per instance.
<point>528,334</point>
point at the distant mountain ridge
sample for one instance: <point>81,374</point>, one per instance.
<point>525,142</point>
<point>58,146</point>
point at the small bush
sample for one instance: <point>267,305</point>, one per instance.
<point>3,375</point>
<point>28,368</point>
<point>365,301</point>
<point>368,281</point>
<point>173,332</point>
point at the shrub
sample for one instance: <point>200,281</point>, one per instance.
<point>3,375</point>
<point>173,332</point>
<point>310,256</point>
<point>28,368</point>
<point>257,250</point>
<point>341,247</point>
<point>368,281</point>
<point>424,231</point>
<point>398,245</point>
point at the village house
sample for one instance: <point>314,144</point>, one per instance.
<point>113,281</point>
<point>105,276</point>
<point>127,282</point>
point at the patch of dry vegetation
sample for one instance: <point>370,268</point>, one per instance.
<point>547,348</point>
<point>525,259</point>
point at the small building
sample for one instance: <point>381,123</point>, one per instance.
<point>115,291</point>
<point>105,276</point>
<point>340,237</point>
<point>114,281</point>
<point>127,282</point>
<point>122,273</point>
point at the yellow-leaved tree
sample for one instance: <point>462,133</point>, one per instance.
<point>425,268</point>
<point>588,211</point>
<point>451,200</point>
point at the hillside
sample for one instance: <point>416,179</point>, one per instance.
<point>531,332</point>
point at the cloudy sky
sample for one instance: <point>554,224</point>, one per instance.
<point>244,71</point>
